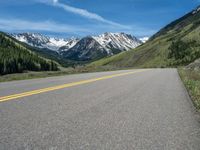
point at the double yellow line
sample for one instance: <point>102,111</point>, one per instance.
<point>34,92</point>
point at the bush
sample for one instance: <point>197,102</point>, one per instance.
<point>183,53</point>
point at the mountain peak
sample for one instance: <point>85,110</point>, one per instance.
<point>42,41</point>
<point>196,10</point>
<point>144,39</point>
<point>120,41</point>
<point>105,44</point>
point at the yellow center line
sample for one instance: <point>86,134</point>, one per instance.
<point>34,92</point>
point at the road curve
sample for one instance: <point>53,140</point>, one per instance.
<point>145,109</point>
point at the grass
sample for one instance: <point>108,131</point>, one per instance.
<point>33,75</point>
<point>154,53</point>
<point>62,72</point>
<point>191,79</point>
<point>29,75</point>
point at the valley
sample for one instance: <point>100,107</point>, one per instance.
<point>112,75</point>
<point>175,45</point>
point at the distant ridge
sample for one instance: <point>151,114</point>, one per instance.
<point>76,49</point>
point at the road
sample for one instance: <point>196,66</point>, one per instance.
<point>120,110</point>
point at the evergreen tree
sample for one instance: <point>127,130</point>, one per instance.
<point>14,58</point>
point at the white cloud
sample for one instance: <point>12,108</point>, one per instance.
<point>55,1</point>
<point>24,25</point>
<point>83,13</point>
<point>18,25</point>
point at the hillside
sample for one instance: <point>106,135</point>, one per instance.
<point>15,58</point>
<point>176,44</point>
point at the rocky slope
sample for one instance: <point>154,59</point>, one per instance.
<point>85,50</point>
<point>194,65</point>
<point>119,41</point>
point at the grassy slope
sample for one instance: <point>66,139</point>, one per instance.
<point>191,79</point>
<point>30,48</point>
<point>10,45</point>
<point>44,74</point>
<point>46,53</point>
<point>33,75</point>
<point>154,53</point>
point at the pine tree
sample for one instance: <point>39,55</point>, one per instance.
<point>16,59</point>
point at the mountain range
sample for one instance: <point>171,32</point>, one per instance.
<point>177,44</point>
<point>85,49</point>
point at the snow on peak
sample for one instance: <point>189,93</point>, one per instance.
<point>196,10</point>
<point>119,41</point>
<point>41,41</point>
<point>108,41</point>
<point>144,39</point>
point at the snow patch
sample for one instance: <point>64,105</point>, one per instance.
<point>120,41</point>
<point>196,10</point>
<point>41,41</point>
<point>144,39</point>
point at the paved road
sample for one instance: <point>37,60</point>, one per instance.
<point>147,110</point>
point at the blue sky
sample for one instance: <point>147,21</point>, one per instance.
<point>65,18</point>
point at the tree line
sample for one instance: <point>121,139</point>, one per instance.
<point>14,58</point>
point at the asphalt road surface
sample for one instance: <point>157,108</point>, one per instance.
<point>120,110</point>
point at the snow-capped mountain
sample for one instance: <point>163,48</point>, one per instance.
<point>120,41</point>
<point>41,41</point>
<point>144,39</point>
<point>87,48</point>
<point>96,47</point>
<point>196,10</point>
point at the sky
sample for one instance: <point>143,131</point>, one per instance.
<point>78,18</point>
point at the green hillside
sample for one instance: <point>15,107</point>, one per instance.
<point>49,54</point>
<point>15,58</point>
<point>176,44</point>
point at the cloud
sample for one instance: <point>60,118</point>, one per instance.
<point>21,25</point>
<point>18,25</point>
<point>83,13</point>
<point>49,26</point>
<point>55,1</point>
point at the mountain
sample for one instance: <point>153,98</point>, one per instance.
<point>69,44</point>
<point>144,39</point>
<point>176,44</point>
<point>44,42</point>
<point>15,58</point>
<point>96,47</point>
<point>118,41</point>
<point>88,48</point>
